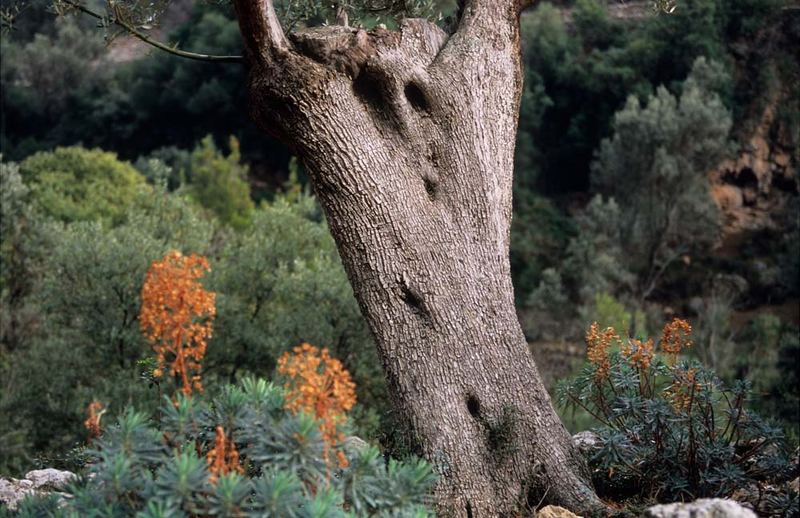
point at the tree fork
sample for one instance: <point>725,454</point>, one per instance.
<point>408,137</point>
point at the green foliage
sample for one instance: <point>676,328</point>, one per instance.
<point>281,283</point>
<point>595,261</point>
<point>278,283</point>
<point>76,184</point>
<point>657,162</point>
<point>546,310</point>
<point>670,429</point>
<point>609,312</point>
<point>219,183</point>
<point>767,351</point>
<point>87,301</point>
<point>34,74</point>
<point>158,468</point>
<point>539,234</point>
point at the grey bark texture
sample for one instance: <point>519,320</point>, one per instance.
<point>408,137</point>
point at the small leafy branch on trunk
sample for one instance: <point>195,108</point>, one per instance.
<point>669,428</point>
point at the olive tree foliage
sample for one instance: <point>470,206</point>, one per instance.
<point>655,166</point>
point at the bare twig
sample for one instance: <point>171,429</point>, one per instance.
<point>157,44</point>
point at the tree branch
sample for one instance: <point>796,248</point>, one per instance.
<point>491,14</point>
<point>263,36</point>
<point>157,44</point>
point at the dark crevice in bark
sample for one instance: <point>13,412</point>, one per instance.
<point>430,188</point>
<point>416,97</point>
<point>469,510</point>
<point>473,406</point>
<point>368,90</point>
<point>413,300</point>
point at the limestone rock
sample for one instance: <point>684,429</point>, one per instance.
<point>702,508</point>
<point>586,441</point>
<point>554,511</point>
<point>13,491</point>
<point>355,444</point>
<point>36,482</point>
<point>50,478</point>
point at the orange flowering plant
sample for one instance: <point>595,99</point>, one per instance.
<point>667,428</point>
<point>319,386</point>
<point>176,317</point>
<point>95,412</point>
<point>223,458</point>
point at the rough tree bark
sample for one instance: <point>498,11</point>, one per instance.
<point>408,137</point>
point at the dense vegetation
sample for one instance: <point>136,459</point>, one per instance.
<point>111,159</point>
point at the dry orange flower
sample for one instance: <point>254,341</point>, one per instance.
<point>683,388</point>
<point>92,422</point>
<point>320,386</point>
<point>176,316</point>
<point>638,353</point>
<point>597,344</point>
<point>223,458</point>
<point>675,337</point>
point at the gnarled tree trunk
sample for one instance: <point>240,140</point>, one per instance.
<point>408,137</point>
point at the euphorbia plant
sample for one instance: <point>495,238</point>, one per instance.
<point>177,315</point>
<point>669,429</point>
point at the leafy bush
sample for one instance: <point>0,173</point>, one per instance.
<point>170,466</point>
<point>280,283</point>
<point>219,183</point>
<point>657,161</point>
<point>86,300</point>
<point>669,428</point>
<point>77,184</point>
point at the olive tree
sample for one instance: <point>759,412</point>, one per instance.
<point>408,136</point>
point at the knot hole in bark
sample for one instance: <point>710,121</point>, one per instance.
<point>430,188</point>
<point>368,89</point>
<point>473,406</point>
<point>416,97</point>
<point>413,300</point>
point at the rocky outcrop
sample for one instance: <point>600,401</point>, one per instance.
<point>751,188</point>
<point>703,508</point>
<point>554,511</point>
<point>36,482</point>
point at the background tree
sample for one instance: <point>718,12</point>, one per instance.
<point>657,161</point>
<point>220,183</point>
<point>73,184</point>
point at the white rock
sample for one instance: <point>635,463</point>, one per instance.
<point>586,441</point>
<point>702,508</point>
<point>49,478</point>
<point>12,491</point>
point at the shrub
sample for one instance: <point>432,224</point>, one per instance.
<point>657,161</point>
<point>86,303</point>
<point>238,454</point>
<point>219,183</point>
<point>77,184</point>
<point>669,428</point>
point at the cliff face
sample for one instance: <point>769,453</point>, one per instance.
<point>753,188</point>
<point>758,189</point>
